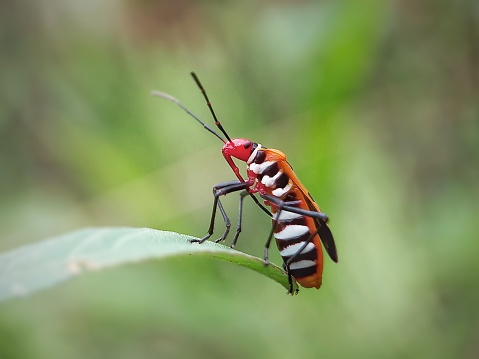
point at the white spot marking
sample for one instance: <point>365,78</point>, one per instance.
<point>287,216</point>
<point>291,231</point>
<point>259,168</point>
<point>278,192</point>
<point>253,155</point>
<point>302,264</point>
<point>294,248</point>
<point>269,181</point>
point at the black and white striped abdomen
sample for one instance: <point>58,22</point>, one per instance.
<point>291,230</point>
<point>292,233</point>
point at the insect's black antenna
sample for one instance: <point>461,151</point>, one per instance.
<point>175,100</point>
<point>218,124</point>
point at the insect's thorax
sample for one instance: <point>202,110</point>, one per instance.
<point>266,170</point>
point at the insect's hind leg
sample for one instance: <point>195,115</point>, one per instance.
<point>320,218</point>
<point>220,190</point>
<point>285,206</point>
<point>298,252</point>
<point>290,281</point>
<point>266,250</point>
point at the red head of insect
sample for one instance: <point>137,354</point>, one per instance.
<point>240,148</point>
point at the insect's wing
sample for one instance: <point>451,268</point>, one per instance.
<point>327,238</point>
<point>323,230</point>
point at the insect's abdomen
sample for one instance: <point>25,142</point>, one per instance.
<point>292,230</point>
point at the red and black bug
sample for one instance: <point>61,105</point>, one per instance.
<point>299,226</point>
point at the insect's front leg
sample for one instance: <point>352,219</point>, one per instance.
<point>220,190</point>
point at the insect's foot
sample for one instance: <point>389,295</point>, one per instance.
<point>202,240</point>
<point>235,239</point>
<point>293,292</point>
<point>266,262</point>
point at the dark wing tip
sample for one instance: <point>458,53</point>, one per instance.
<point>328,240</point>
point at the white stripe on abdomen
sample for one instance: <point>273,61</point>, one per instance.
<point>302,264</point>
<point>287,216</point>
<point>294,248</point>
<point>291,231</point>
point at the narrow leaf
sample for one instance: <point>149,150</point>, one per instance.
<point>30,268</point>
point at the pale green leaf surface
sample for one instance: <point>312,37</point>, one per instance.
<point>44,264</point>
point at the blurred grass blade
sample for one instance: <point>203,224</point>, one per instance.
<point>40,265</point>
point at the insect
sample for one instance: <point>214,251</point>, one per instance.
<point>298,227</point>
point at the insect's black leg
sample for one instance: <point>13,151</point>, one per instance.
<point>212,223</point>
<point>240,217</point>
<point>288,206</point>
<point>320,218</point>
<point>284,205</point>
<point>293,257</point>
<point>264,209</point>
<point>226,220</point>
<point>287,263</point>
<point>290,280</point>
<point>225,190</point>
<point>266,246</point>
<point>268,242</point>
<point>219,190</point>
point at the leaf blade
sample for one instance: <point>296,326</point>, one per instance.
<point>37,266</point>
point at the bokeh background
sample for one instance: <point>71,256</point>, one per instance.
<point>375,103</point>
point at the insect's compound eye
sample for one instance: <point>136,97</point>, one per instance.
<point>247,144</point>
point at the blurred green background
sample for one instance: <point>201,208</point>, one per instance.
<point>374,102</point>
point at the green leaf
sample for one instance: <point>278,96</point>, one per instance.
<point>30,268</point>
